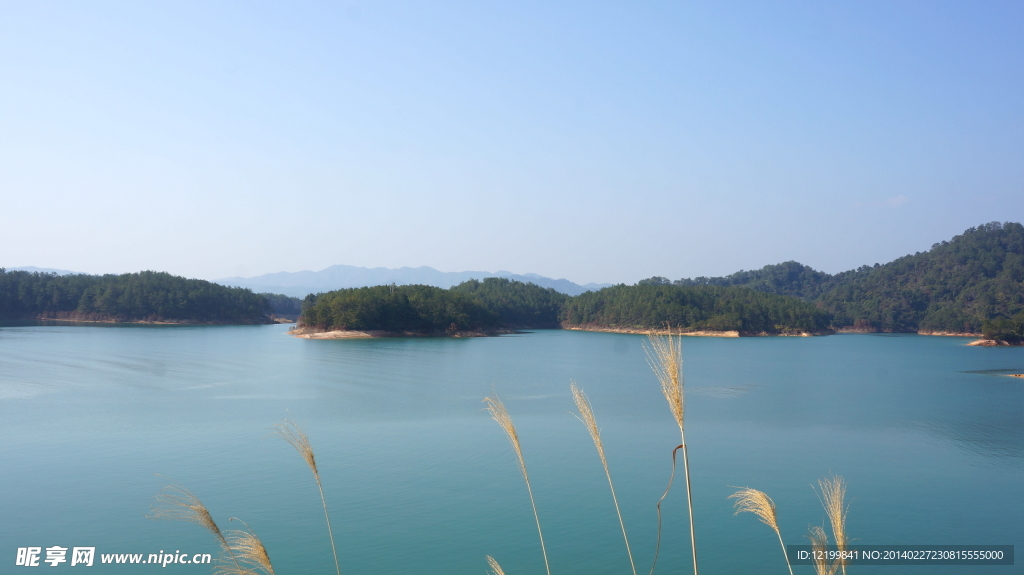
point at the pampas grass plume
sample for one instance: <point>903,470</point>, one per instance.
<point>498,412</point>
<point>833,495</point>
<point>175,503</point>
<point>587,417</point>
<point>293,434</point>
<point>757,502</point>
<point>495,568</point>
<point>250,551</point>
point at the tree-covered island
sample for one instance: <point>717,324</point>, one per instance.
<point>497,304</point>
<point>475,307</point>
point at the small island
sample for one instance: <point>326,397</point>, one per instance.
<point>496,305</point>
<point>474,308</point>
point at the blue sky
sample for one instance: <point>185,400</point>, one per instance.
<point>594,141</point>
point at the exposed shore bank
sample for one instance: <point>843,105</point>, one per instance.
<point>103,319</point>
<point>696,333</point>
<point>313,333</point>
<point>994,343</point>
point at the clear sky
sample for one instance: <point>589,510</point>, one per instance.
<point>594,141</point>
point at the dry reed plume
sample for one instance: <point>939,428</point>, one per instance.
<point>175,503</point>
<point>293,434</point>
<point>587,417</point>
<point>758,503</point>
<point>252,555</point>
<point>495,568</point>
<point>665,356</point>
<point>833,494</point>
<point>819,548</point>
<point>497,410</point>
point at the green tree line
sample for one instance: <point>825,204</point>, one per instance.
<point>406,308</point>
<point>283,305</point>
<point>698,307</point>
<point>143,296</point>
<point>973,283</point>
<point>496,303</point>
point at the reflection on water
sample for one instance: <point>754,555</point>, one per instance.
<point>734,391</point>
<point>417,474</point>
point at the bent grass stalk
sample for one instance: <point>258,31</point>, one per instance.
<point>293,434</point>
<point>587,417</point>
<point>498,412</point>
<point>833,493</point>
<point>175,503</point>
<point>665,356</point>
<point>758,503</point>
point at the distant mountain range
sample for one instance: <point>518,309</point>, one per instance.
<point>299,284</point>
<point>33,269</point>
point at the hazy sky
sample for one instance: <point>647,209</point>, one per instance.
<point>593,141</point>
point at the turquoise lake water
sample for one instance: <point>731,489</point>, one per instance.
<point>929,434</point>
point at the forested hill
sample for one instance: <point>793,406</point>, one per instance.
<point>416,309</point>
<point>968,284</point>
<point>694,308</point>
<point>143,296</point>
<point>472,306</point>
<point>516,304</point>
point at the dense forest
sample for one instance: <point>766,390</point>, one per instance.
<point>143,296</point>
<point>973,283</point>
<point>970,284</point>
<point>407,308</point>
<point>516,304</point>
<point>283,305</point>
<point>701,307</point>
<point>477,306</point>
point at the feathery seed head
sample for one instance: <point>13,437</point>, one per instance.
<point>587,417</point>
<point>819,544</point>
<point>175,503</point>
<point>498,412</point>
<point>665,356</point>
<point>758,503</point>
<point>251,554</point>
<point>833,493</point>
<point>291,432</point>
<point>495,568</point>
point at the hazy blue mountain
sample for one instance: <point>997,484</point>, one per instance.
<point>32,269</point>
<point>298,284</point>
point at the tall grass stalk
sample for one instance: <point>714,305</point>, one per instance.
<point>758,503</point>
<point>497,410</point>
<point>833,494</point>
<point>293,434</point>
<point>587,417</point>
<point>175,503</point>
<point>665,356</point>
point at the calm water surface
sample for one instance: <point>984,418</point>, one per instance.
<point>929,434</point>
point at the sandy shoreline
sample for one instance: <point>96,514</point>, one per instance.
<point>307,333</point>
<point>134,321</point>
<point>695,333</point>
<point>705,333</point>
<point>993,343</point>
